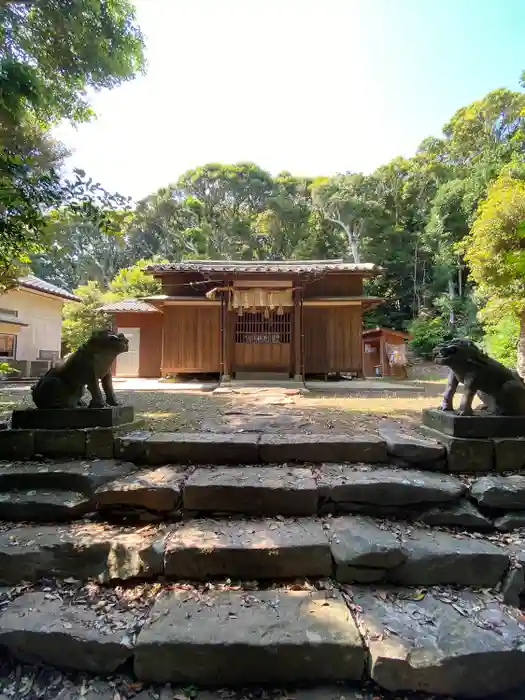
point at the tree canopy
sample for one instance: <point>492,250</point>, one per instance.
<point>81,319</point>
<point>52,54</point>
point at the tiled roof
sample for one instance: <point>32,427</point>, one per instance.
<point>130,306</point>
<point>32,282</point>
<point>288,266</point>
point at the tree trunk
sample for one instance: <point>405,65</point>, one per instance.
<point>520,364</point>
<point>451,296</point>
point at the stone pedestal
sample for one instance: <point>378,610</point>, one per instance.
<point>80,432</point>
<point>477,426</point>
<point>478,443</point>
<point>64,418</point>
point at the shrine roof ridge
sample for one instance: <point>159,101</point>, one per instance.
<point>270,266</point>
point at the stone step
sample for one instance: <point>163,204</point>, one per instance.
<point>125,492</point>
<point>349,548</point>
<point>42,505</point>
<point>268,490</point>
<point>248,448</point>
<point>441,641</point>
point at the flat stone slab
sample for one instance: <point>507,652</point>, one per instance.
<point>83,476</point>
<point>386,487</point>
<point>237,638</point>
<point>321,448</point>
<point>43,506</point>
<point>505,492</point>
<point>463,514</point>
<point>256,491</point>
<point>476,426</point>
<point>82,551</point>
<point>447,643</point>
<point>438,558</point>
<point>39,629</point>
<point>412,448</point>
<point>157,490</point>
<point>202,448</point>
<point>50,419</point>
<point>248,550</point>
<point>360,549</point>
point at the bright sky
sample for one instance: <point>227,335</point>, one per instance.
<point>311,86</point>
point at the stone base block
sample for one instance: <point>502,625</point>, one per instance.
<point>465,455</point>
<point>50,419</point>
<point>477,426</point>
<point>509,454</point>
<point>132,446</point>
<point>100,442</point>
<point>17,444</point>
<point>20,444</point>
<point>60,443</point>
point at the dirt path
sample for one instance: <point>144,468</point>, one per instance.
<point>260,410</point>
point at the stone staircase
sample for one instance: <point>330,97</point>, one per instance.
<point>231,560</point>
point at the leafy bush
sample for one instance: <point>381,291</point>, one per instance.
<point>501,339</point>
<point>81,319</point>
<point>428,332</point>
<point>6,369</point>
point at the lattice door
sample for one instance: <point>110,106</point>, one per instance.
<point>263,343</point>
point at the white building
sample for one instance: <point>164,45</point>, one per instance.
<point>31,325</point>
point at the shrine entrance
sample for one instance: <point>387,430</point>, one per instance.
<point>263,341</point>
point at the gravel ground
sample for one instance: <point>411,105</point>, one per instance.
<point>262,410</point>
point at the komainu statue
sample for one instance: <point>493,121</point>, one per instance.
<point>63,386</point>
<point>500,389</point>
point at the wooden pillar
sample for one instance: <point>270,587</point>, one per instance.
<point>162,339</point>
<point>382,356</point>
<point>225,340</point>
<point>298,337</point>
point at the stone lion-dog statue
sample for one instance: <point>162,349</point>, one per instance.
<point>63,386</point>
<point>501,389</point>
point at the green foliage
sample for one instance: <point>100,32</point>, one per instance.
<point>501,338</point>
<point>6,370</point>
<point>54,51</point>
<point>427,333</point>
<point>33,202</point>
<point>348,201</point>
<point>495,248</point>
<point>492,127</point>
<point>133,282</point>
<point>81,319</point>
